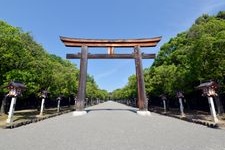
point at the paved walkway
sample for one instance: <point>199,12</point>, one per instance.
<point>112,126</point>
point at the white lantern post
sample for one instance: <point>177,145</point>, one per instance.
<point>15,89</point>
<point>11,110</point>
<point>210,93</point>
<point>42,106</point>
<point>75,100</point>
<point>212,109</point>
<point>163,97</point>
<point>58,104</point>
<point>43,97</point>
<point>208,89</point>
<point>164,105</point>
<point>180,96</point>
<point>98,101</point>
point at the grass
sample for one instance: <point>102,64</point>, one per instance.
<point>191,115</point>
<point>30,114</point>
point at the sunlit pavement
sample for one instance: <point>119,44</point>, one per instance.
<point>112,126</point>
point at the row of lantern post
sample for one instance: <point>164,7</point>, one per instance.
<point>208,88</point>
<point>44,96</point>
<point>209,91</point>
<point>15,90</point>
<point>180,97</point>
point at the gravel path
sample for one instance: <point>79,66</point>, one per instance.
<point>112,126</point>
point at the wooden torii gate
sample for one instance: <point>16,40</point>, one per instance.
<point>111,44</point>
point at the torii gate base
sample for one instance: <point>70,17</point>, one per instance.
<point>144,113</point>
<point>79,113</point>
<point>137,55</point>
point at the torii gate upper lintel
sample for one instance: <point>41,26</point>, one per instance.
<point>111,44</point>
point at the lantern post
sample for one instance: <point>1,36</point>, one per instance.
<point>44,95</point>
<point>58,103</point>
<point>209,90</point>
<point>164,99</point>
<point>180,96</point>
<point>15,90</point>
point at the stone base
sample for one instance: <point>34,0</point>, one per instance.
<point>183,115</point>
<point>144,113</point>
<point>216,120</point>
<point>40,115</point>
<point>9,121</point>
<point>79,113</point>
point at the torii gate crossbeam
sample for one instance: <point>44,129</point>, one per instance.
<point>111,44</point>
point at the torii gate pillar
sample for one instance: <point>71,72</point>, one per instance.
<point>142,100</point>
<point>111,44</point>
<point>82,80</point>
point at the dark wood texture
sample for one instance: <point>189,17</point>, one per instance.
<point>78,42</point>
<point>82,80</point>
<point>111,44</point>
<point>142,100</point>
<point>110,56</point>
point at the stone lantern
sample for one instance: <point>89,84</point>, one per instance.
<point>180,96</point>
<point>209,90</point>
<point>15,90</point>
<point>44,94</point>
<point>164,99</point>
<point>58,103</point>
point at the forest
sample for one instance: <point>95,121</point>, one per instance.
<point>192,57</point>
<point>24,60</point>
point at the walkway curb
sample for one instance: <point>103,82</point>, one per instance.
<point>201,122</point>
<point>15,125</point>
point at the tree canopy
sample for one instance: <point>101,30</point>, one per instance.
<point>22,59</point>
<point>182,63</point>
<point>192,57</point>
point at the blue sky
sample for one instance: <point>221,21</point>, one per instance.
<point>46,20</point>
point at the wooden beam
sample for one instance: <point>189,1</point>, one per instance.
<point>78,42</point>
<point>82,80</point>
<point>142,99</point>
<point>112,56</point>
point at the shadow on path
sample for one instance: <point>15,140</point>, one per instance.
<point>110,109</point>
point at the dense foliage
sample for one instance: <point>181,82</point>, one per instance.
<point>188,59</point>
<point>22,59</point>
